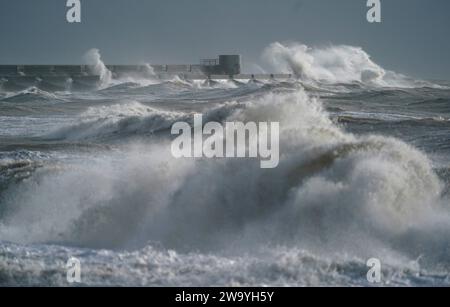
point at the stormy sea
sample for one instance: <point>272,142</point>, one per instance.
<point>86,171</point>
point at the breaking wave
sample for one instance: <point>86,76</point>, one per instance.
<point>128,119</point>
<point>335,64</point>
<point>333,193</point>
<point>32,94</point>
<point>106,179</point>
<point>94,60</point>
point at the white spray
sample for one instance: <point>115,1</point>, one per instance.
<point>96,65</point>
<point>333,64</point>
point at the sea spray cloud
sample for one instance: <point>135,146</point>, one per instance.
<point>355,188</point>
<point>234,140</point>
<point>97,67</point>
<point>331,64</point>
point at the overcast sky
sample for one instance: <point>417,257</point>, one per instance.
<point>414,37</point>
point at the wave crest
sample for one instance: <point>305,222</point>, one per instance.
<point>335,64</point>
<point>333,192</point>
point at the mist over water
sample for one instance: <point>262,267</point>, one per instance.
<point>363,173</point>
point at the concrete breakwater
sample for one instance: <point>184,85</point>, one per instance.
<point>15,77</point>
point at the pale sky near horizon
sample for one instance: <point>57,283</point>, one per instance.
<point>412,39</point>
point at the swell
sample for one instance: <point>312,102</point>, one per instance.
<point>393,119</point>
<point>129,119</point>
<point>122,119</point>
<point>32,94</point>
